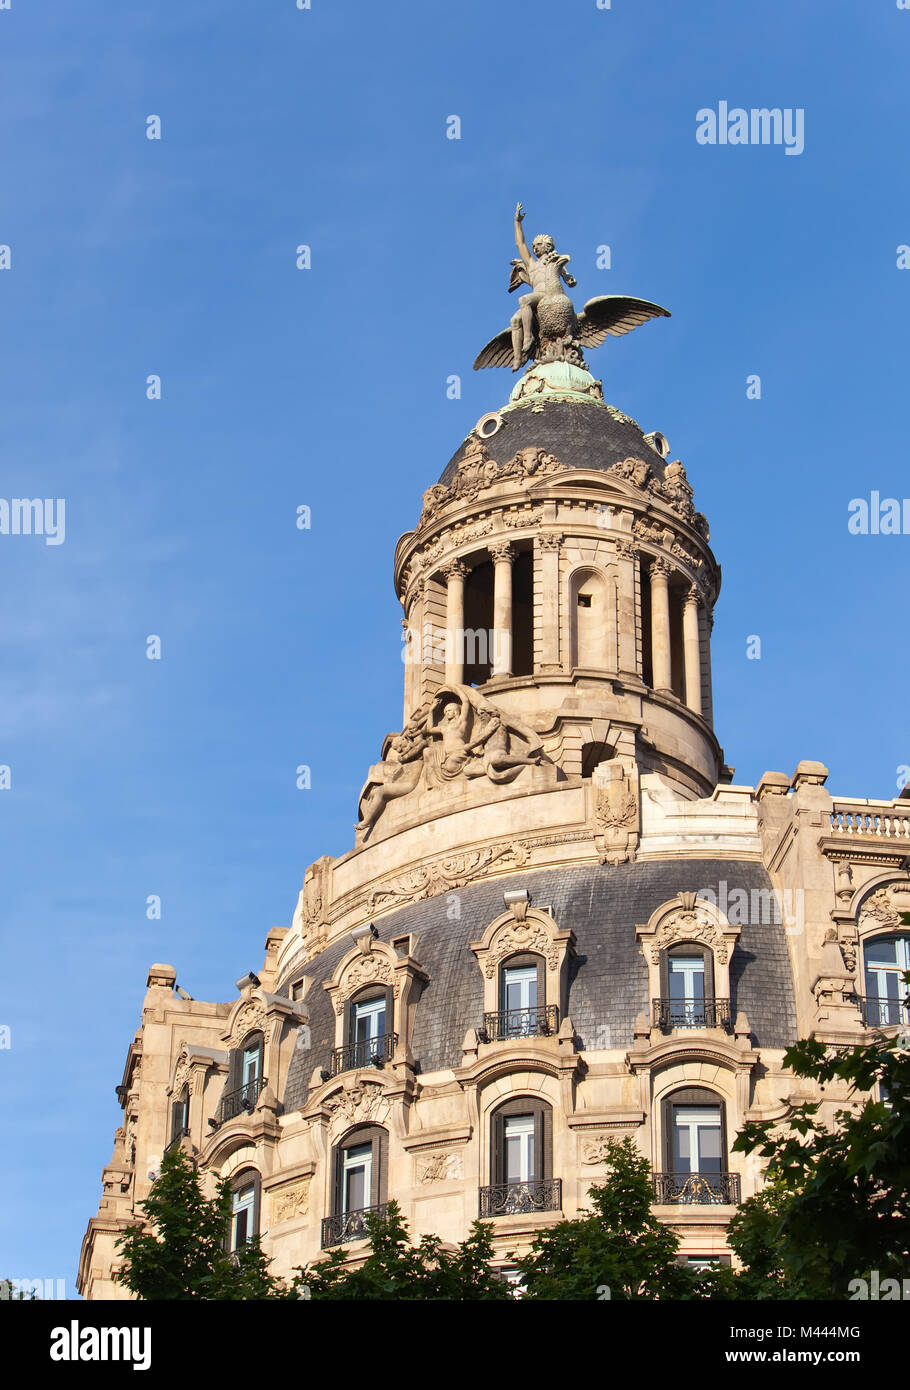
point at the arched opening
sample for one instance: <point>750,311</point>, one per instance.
<point>523,613</point>
<point>592,622</point>
<point>478,624</point>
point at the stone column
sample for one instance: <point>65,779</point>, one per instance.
<point>707,627</point>
<point>455,577</point>
<point>660,625</point>
<point>626,560</point>
<point>503,555</point>
<point>546,601</point>
<point>692,650</point>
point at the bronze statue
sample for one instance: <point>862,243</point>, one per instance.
<point>545,327</point>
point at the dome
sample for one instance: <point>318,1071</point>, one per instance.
<point>582,431</point>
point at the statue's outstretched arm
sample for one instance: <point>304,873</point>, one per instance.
<point>520,242</point>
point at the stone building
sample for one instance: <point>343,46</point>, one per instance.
<point>562,921</point>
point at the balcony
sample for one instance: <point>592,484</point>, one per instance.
<point>691,1013</point>
<point>244,1098</point>
<point>521,1023</point>
<point>349,1225</point>
<point>520,1198</point>
<point>883,1013</point>
<point>372,1053</point>
<point>695,1189</point>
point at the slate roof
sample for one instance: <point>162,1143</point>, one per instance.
<point>609,983</point>
<point>581,434</point>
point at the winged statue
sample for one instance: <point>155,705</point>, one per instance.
<point>545,326</point>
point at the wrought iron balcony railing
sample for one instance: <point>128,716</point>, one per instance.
<point>883,1013</point>
<point>244,1098</point>
<point>518,1198</point>
<point>371,1053</point>
<point>349,1225</point>
<point>691,1013</point>
<point>521,1023</point>
<point>697,1189</point>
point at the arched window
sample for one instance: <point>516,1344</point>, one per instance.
<point>521,1160</point>
<point>885,958</point>
<point>244,1225</point>
<point>360,1178</point>
<point>695,1149</point>
<point>245,1077</point>
<point>687,998</point>
<point>523,1011</point>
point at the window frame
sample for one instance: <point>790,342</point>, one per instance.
<point>542,1112</point>
<point>698,1097</point>
<point>378,1138</point>
<point>245,1177</point>
<point>180,1108</point>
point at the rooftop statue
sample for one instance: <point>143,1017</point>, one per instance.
<point>545,327</point>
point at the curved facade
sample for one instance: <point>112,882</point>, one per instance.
<point>561,921</point>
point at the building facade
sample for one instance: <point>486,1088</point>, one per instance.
<point>562,921</point>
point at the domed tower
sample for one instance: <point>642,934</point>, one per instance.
<point>556,926</point>
<point>560,569</point>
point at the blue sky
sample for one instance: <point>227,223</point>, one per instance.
<point>326,388</point>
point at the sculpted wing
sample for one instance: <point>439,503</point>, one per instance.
<point>612,315</point>
<point>497,353</point>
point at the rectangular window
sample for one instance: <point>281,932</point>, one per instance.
<point>242,1205</point>
<point>686,981</point>
<point>369,1025</point>
<point>518,1146</point>
<point>519,988</point>
<point>697,1139</point>
<point>250,1065</point>
<point>886,962</point>
<point>356,1176</point>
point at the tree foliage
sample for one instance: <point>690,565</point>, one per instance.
<point>396,1269</point>
<point>617,1250</point>
<point>180,1250</point>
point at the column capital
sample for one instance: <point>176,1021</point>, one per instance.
<point>455,569</point>
<point>550,540</point>
<point>694,597</point>
<point>502,552</point>
<point>661,567</point>
<point>625,550</point>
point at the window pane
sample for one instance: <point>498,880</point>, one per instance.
<point>518,1140</point>
<point>520,987</point>
<point>687,977</point>
<point>881,952</point>
<point>357,1164</point>
<point>250,1064</point>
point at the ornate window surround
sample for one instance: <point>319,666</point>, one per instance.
<point>374,962</point>
<point>688,918</point>
<point>525,930</point>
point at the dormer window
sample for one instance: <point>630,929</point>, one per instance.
<point>369,1040</point>
<point>246,1079</point>
<point>687,998</point>
<point>523,1011</point>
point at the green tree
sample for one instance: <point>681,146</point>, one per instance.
<point>180,1251</point>
<point>397,1269</point>
<point>619,1246</point>
<point>838,1201</point>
